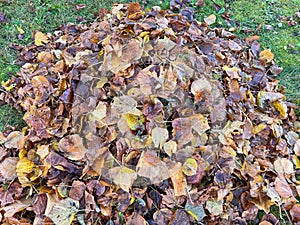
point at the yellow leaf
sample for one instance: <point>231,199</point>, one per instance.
<point>40,39</point>
<point>259,128</point>
<point>7,85</point>
<point>134,122</point>
<point>296,161</point>
<point>20,30</point>
<point>24,167</point>
<point>143,34</point>
<point>281,108</point>
<point>266,55</point>
<point>190,167</point>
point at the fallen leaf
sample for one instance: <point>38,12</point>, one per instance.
<point>295,212</point>
<point>77,190</point>
<point>178,180</point>
<point>170,147</point>
<point>123,177</point>
<point>190,167</point>
<point>80,6</point>
<point>15,207</point>
<point>214,207</point>
<point>297,147</point>
<point>282,187</point>
<point>8,168</point>
<point>266,56</point>
<point>265,223</point>
<point>150,166</point>
<point>73,147</point>
<point>210,19</point>
<point>15,139</point>
<point>159,136</point>
<point>200,3</point>
<point>61,212</point>
<point>284,166</point>
<point>40,39</point>
<point>196,212</point>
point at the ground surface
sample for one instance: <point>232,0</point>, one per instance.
<point>267,19</point>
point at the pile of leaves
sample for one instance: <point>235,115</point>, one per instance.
<point>148,118</point>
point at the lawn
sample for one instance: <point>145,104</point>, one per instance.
<point>269,19</point>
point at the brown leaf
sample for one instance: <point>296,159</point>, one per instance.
<point>73,147</point>
<point>295,212</point>
<point>80,6</point>
<point>200,3</point>
<point>150,166</point>
<point>178,180</point>
<point>136,219</point>
<point>15,139</point>
<point>123,177</point>
<point>282,187</point>
<point>77,190</point>
<point>180,218</point>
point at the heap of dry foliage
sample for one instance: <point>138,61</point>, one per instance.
<point>147,118</point>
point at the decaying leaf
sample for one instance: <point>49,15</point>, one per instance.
<point>282,187</point>
<point>214,207</point>
<point>159,136</point>
<point>190,167</point>
<point>73,146</point>
<point>61,212</point>
<point>8,168</point>
<point>196,212</point>
<point>147,117</point>
<point>123,177</point>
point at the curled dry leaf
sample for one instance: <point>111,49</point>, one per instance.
<point>15,139</point>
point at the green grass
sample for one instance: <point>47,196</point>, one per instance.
<point>284,40</point>
<point>48,15</point>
